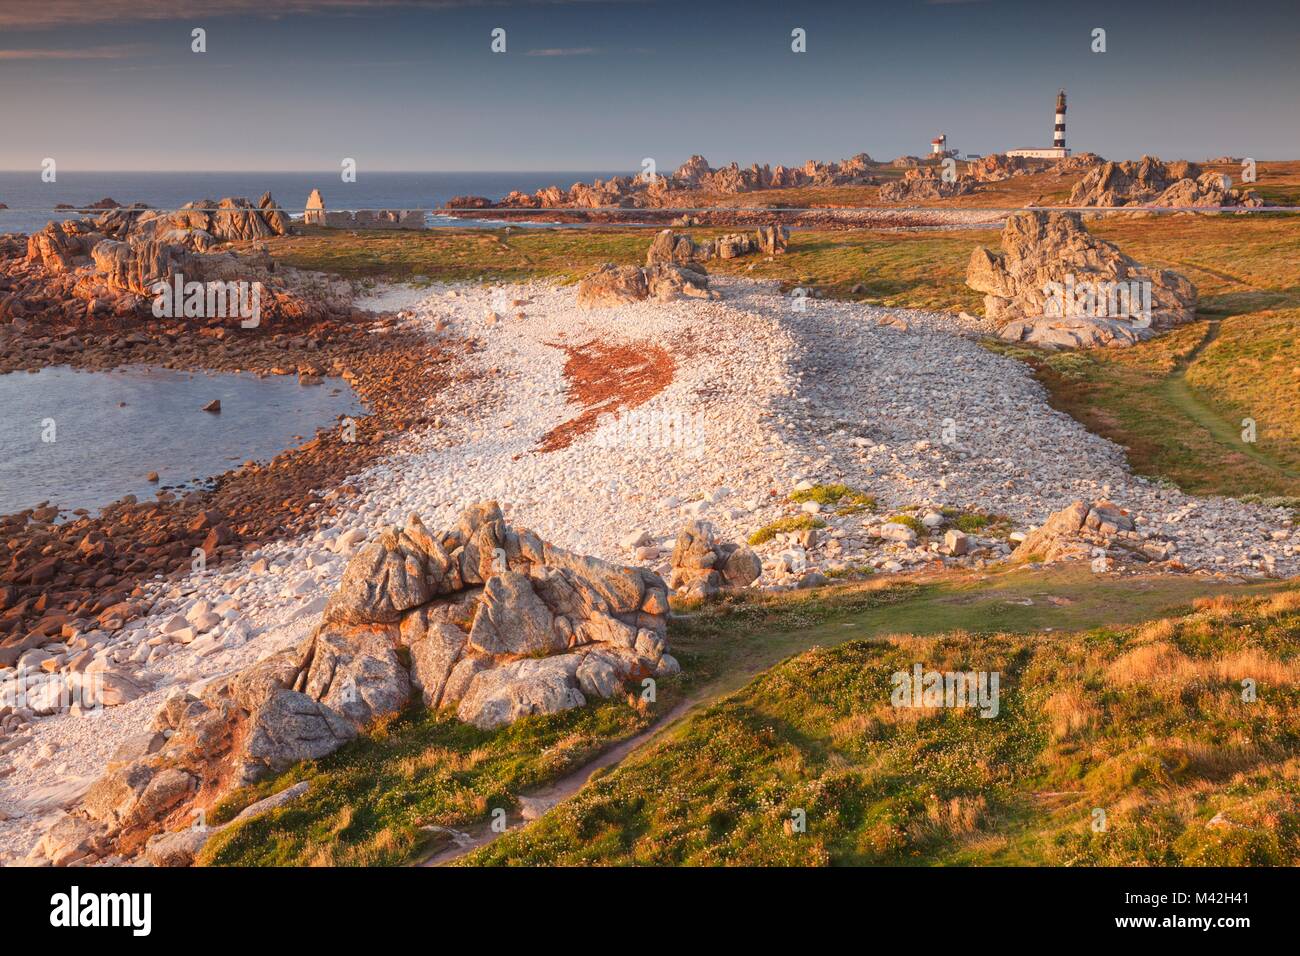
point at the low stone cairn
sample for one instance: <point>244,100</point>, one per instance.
<point>493,620</point>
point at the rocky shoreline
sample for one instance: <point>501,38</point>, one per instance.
<point>65,573</point>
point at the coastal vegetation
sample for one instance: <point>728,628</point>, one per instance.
<point>1168,743</point>
<point>373,801</point>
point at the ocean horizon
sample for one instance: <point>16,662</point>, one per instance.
<point>31,201</point>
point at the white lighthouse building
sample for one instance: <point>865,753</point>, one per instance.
<point>1057,150</point>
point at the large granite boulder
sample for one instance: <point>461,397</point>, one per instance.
<point>1056,284</point>
<point>612,285</point>
<point>1101,532</point>
<point>483,617</point>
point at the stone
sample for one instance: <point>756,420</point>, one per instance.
<point>522,688</point>
<point>512,619</point>
<point>357,675</point>
<point>612,285</point>
<point>435,648</point>
<point>1055,284</point>
<point>1150,181</point>
<point>177,848</point>
<point>956,542</point>
<point>742,568</point>
<point>481,616</point>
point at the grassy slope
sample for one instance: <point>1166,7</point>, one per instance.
<point>1147,724</point>
<point>1177,402</point>
<point>368,802</point>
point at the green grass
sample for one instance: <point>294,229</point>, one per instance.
<point>844,500</point>
<point>1146,724</point>
<point>1177,403</point>
<point>368,801</point>
<point>784,525</point>
<point>911,521</point>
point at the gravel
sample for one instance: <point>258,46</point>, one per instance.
<point>905,405</point>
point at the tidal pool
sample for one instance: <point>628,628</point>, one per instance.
<point>84,439</point>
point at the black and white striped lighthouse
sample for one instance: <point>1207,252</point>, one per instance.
<point>1058,137</point>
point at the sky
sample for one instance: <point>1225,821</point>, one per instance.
<point>593,84</point>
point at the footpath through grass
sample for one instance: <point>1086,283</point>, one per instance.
<point>1115,746</point>
<point>368,804</point>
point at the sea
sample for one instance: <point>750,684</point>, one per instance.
<point>31,201</point>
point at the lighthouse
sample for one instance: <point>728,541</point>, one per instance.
<point>1058,136</point>
<point>1057,150</point>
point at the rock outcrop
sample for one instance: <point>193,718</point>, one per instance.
<point>482,617</point>
<point>1055,284</point>
<point>647,192</point>
<point>665,278</point>
<point>1101,532</point>
<point>108,265</point>
<point>702,566</point>
<point>680,249</point>
<point>926,182</point>
<point>1153,182</point>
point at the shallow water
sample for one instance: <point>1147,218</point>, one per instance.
<point>110,429</point>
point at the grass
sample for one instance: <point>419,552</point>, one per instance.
<point>1146,724</point>
<point>1179,403</point>
<point>784,525</point>
<point>368,801</point>
<point>844,500</point>
<point>911,521</point>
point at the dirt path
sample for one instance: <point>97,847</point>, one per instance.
<point>1181,395</point>
<point>539,802</point>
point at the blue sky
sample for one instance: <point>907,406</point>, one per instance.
<point>410,85</point>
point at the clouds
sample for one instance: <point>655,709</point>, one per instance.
<point>39,14</point>
<point>43,14</point>
<point>84,53</point>
<point>564,51</point>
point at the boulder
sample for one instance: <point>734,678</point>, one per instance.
<point>502,695</point>
<point>612,285</point>
<point>1054,283</point>
<point>702,566</point>
<point>1150,181</point>
<point>1082,530</point>
<point>483,616</point>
